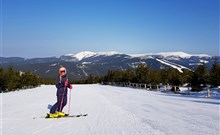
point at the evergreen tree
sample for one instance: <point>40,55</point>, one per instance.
<point>174,78</point>
<point>129,75</point>
<point>109,76</point>
<point>142,74</point>
<point>199,78</point>
<point>90,80</point>
<point>2,79</point>
<point>12,80</point>
<point>187,76</point>
<point>215,74</point>
<point>155,77</point>
<point>164,76</point>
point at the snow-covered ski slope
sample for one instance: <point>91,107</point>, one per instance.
<point>111,111</point>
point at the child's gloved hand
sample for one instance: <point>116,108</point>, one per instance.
<point>66,83</point>
<point>71,86</point>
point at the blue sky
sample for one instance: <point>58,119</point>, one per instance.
<point>41,28</point>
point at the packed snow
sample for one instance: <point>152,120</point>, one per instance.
<point>173,65</point>
<point>86,54</point>
<point>108,53</point>
<point>171,54</point>
<point>181,54</point>
<point>204,61</point>
<point>52,65</point>
<point>111,111</point>
<point>85,63</point>
<point>83,55</point>
<point>191,64</point>
<point>47,71</point>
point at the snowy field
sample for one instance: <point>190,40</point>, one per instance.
<point>111,111</point>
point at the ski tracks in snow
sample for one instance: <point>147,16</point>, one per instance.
<point>111,111</point>
<point>110,118</point>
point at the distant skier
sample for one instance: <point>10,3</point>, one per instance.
<point>62,84</point>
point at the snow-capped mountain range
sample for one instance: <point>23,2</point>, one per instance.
<point>82,64</point>
<point>86,54</point>
<point>175,55</point>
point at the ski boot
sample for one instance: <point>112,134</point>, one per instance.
<point>53,115</point>
<point>61,114</point>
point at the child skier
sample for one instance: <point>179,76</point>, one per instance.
<point>62,84</point>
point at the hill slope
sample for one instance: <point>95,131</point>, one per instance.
<point>111,111</point>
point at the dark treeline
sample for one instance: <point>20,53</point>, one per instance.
<point>11,80</point>
<point>197,79</point>
<point>52,81</point>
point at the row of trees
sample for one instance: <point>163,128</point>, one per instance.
<point>198,78</point>
<point>11,80</point>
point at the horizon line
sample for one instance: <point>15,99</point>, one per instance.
<point>116,52</point>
